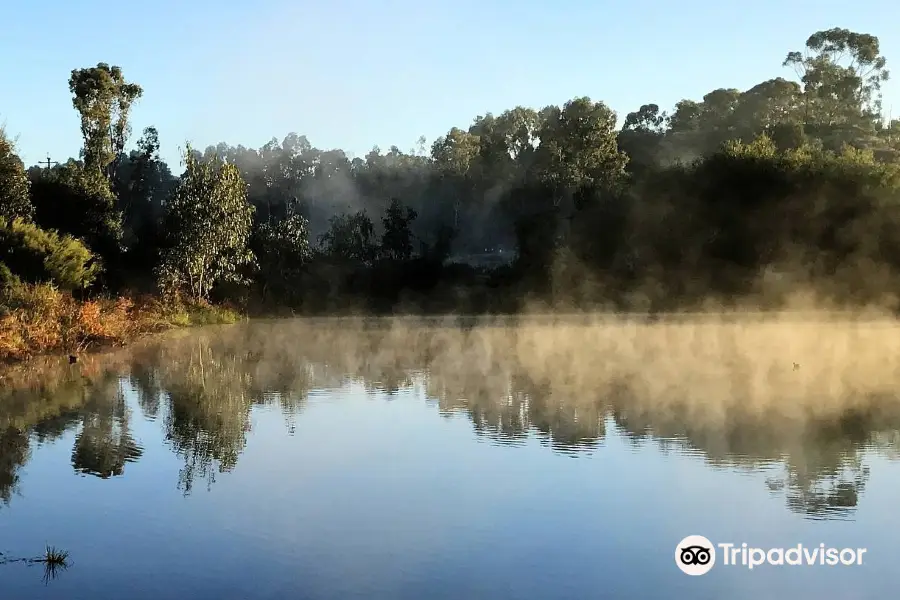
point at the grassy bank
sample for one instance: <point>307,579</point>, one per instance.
<point>40,319</point>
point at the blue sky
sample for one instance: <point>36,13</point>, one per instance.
<point>352,74</point>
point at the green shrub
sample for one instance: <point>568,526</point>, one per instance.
<point>37,255</point>
<point>7,278</point>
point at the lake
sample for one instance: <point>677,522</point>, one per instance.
<point>398,458</point>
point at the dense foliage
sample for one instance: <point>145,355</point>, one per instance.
<point>207,223</point>
<point>14,200</point>
<point>38,255</point>
<point>741,196</point>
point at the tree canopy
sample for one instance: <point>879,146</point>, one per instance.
<point>208,223</point>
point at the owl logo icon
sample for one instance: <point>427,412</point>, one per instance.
<point>695,555</point>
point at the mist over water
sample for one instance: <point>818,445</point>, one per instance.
<point>526,457</point>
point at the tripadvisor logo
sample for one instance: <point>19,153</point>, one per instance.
<point>696,555</point>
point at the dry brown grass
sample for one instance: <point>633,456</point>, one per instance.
<point>39,319</point>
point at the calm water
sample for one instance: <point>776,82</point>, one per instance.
<point>327,459</point>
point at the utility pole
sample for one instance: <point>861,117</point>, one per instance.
<point>48,161</point>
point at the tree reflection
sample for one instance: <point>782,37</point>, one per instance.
<point>560,383</point>
<point>828,478</point>
<point>820,474</point>
<point>14,453</point>
<point>39,402</point>
<point>144,380</point>
<point>105,443</point>
<point>54,427</point>
<point>209,409</point>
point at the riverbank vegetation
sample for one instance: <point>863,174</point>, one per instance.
<point>757,197</point>
<point>36,319</point>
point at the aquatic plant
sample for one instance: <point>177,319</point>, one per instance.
<point>53,559</point>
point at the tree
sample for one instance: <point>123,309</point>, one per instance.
<point>520,127</point>
<point>42,256</point>
<point>208,220</point>
<point>277,184</point>
<point>641,137</point>
<point>454,155</point>
<point>77,202</point>
<point>698,128</point>
<point>103,99</point>
<point>578,148</point>
<point>14,185</point>
<point>578,158</point>
<point>282,250</point>
<point>351,238</point>
<point>396,241</point>
<point>839,92</point>
<point>145,178</point>
<point>646,119</point>
<point>686,117</point>
<point>772,102</point>
<point>143,181</point>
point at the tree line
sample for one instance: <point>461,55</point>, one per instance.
<point>788,185</point>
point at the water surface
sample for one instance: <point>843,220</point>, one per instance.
<point>443,459</point>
